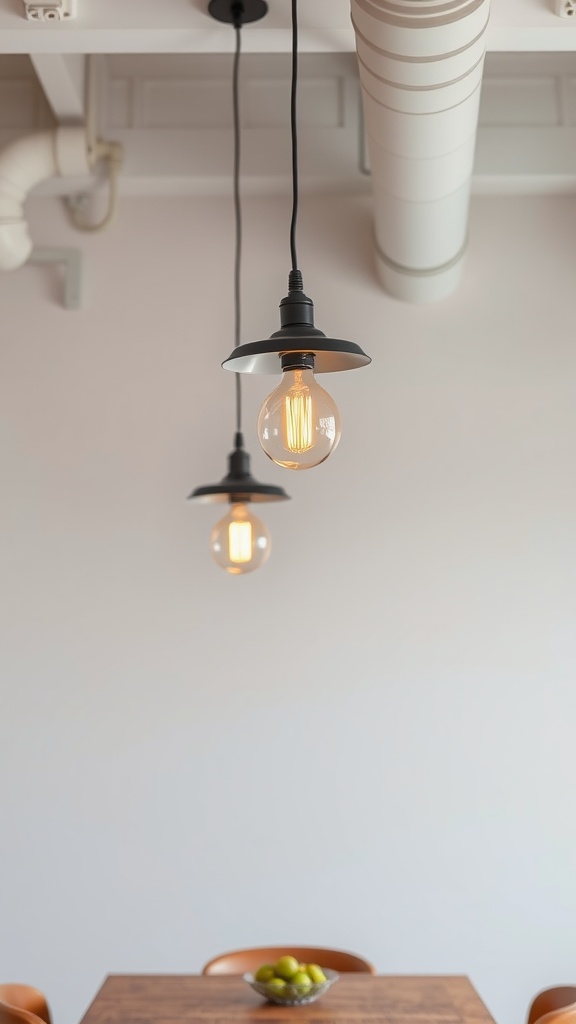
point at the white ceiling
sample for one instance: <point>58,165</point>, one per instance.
<point>161,77</point>
<point>164,81</point>
<point>183,26</point>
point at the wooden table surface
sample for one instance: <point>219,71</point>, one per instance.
<point>353,999</point>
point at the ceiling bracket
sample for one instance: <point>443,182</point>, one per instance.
<point>71,260</point>
<point>231,10</point>
<point>49,10</point>
<point>565,8</point>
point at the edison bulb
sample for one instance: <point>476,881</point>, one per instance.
<point>240,542</point>
<point>299,423</point>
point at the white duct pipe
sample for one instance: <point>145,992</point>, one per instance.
<point>421,65</point>
<point>24,163</point>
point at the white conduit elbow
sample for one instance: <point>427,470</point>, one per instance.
<point>24,163</point>
<point>421,64</point>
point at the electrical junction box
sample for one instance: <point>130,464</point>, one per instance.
<point>565,8</point>
<point>53,10</point>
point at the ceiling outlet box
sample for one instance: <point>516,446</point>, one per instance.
<point>56,10</point>
<point>565,8</point>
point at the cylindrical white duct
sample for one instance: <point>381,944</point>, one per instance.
<point>24,163</point>
<point>421,65</point>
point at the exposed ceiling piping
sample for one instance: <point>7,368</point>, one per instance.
<point>420,64</point>
<point>24,163</point>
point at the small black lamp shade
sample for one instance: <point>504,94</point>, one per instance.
<point>297,334</point>
<point>239,484</point>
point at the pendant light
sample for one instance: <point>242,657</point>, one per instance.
<point>299,424</point>
<point>240,542</point>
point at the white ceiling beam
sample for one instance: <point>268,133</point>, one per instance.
<point>510,160</point>
<point>62,77</point>
<point>183,26</point>
<point>49,10</point>
<point>174,26</point>
<point>529,25</point>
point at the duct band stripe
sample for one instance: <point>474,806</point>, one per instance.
<point>416,113</point>
<point>420,88</point>
<point>423,19</point>
<point>399,268</point>
<point>418,60</point>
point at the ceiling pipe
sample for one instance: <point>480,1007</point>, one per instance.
<point>24,163</point>
<point>421,64</point>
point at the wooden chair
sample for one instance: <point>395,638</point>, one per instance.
<point>241,960</point>
<point>565,1016</point>
<point>25,997</point>
<point>14,1015</point>
<point>559,998</point>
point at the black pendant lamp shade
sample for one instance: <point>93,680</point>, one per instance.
<point>297,334</point>
<point>238,484</point>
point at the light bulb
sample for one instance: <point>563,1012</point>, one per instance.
<point>240,542</point>
<point>299,423</point>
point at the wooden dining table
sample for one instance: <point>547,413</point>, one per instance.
<point>354,999</point>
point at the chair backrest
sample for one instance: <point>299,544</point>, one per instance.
<point>559,997</point>
<point>565,1016</point>
<point>14,1015</point>
<point>25,997</point>
<point>241,960</point>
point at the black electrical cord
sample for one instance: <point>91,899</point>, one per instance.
<point>294,135</point>
<point>237,12</point>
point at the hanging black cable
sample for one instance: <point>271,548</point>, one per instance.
<point>237,208</point>
<point>239,484</point>
<point>297,333</point>
<point>294,134</point>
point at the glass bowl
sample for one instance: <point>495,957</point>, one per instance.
<point>293,995</point>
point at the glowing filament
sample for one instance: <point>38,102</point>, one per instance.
<point>240,542</point>
<point>298,417</point>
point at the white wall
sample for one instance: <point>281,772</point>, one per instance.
<point>370,743</point>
